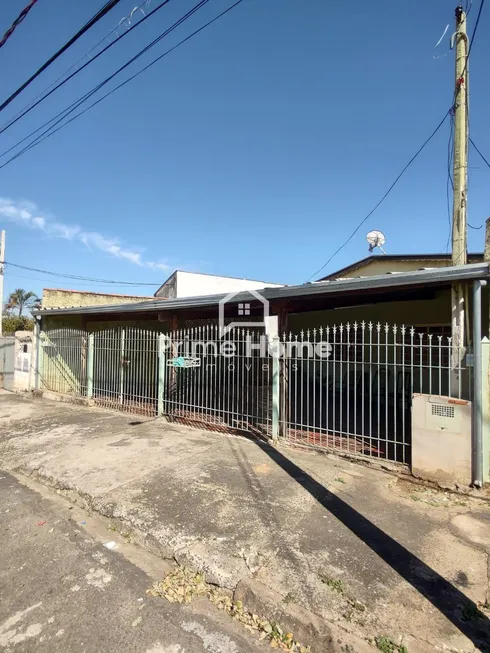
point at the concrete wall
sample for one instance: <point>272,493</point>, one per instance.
<point>381,265</point>
<point>25,361</point>
<point>192,284</point>
<point>58,298</point>
<point>19,376</point>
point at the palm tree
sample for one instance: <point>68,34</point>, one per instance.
<point>21,299</point>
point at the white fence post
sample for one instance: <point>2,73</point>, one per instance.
<point>37,355</point>
<point>161,372</point>
<point>275,389</point>
<point>90,366</point>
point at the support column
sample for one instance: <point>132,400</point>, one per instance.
<point>460,178</point>
<point>90,366</point>
<point>122,364</point>
<point>162,361</point>
<point>39,353</point>
<point>283,372</point>
<point>275,389</point>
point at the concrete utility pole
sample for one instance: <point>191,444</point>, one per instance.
<point>2,260</point>
<point>460,178</point>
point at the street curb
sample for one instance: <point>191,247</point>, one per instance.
<point>309,628</point>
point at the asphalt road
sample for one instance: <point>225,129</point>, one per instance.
<point>62,590</point>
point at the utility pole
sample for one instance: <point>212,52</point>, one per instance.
<point>2,261</point>
<point>460,178</point>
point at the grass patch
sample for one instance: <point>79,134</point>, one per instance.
<point>387,645</point>
<point>335,584</point>
<point>339,479</point>
<point>289,598</point>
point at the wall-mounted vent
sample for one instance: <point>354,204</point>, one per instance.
<point>442,410</point>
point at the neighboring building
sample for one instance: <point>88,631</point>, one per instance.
<point>196,284</point>
<point>59,298</point>
<point>392,263</point>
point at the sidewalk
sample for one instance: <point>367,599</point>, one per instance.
<point>317,540</point>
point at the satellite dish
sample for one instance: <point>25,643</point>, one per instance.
<point>375,239</point>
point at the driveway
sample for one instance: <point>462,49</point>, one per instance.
<point>339,549</point>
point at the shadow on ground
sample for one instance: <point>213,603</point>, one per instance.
<point>450,601</point>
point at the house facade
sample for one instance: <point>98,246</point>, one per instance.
<point>353,354</point>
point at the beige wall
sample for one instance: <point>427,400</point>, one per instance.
<point>56,298</point>
<point>411,313</point>
<point>380,265</point>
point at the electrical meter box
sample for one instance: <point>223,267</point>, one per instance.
<point>441,439</point>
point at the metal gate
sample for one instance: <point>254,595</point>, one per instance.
<point>224,381</point>
<point>125,370</point>
<point>7,362</point>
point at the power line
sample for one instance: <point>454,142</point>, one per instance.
<point>17,22</point>
<point>418,151</point>
<point>72,107</point>
<point>484,159</point>
<point>78,70</point>
<point>469,47</point>
<point>384,196</point>
<point>78,277</point>
<point>100,14</point>
<point>75,64</point>
<point>474,31</point>
<point>76,284</point>
<point>47,133</point>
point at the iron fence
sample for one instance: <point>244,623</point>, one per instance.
<point>345,388</point>
<point>64,361</point>
<point>349,387</point>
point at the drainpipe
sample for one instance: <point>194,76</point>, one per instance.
<point>476,417</point>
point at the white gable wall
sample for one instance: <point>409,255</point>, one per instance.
<point>191,284</point>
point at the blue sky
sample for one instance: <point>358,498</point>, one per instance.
<point>252,151</point>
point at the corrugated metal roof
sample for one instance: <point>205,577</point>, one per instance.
<point>434,277</point>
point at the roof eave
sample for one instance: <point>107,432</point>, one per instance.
<point>434,277</point>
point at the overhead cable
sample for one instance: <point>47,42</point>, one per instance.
<point>384,196</point>
<point>50,131</point>
<point>476,148</point>
<point>78,277</point>
<point>95,19</point>
<point>78,70</point>
<point>16,22</point>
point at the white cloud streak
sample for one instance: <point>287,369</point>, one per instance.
<point>28,215</point>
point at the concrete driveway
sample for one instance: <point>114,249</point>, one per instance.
<point>336,548</point>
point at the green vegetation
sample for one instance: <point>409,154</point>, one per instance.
<point>387,645</point>
<point>22,299</point>
<point>13,323</point>
<point>334,583</point>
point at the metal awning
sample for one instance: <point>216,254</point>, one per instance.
<point>385,282</point>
